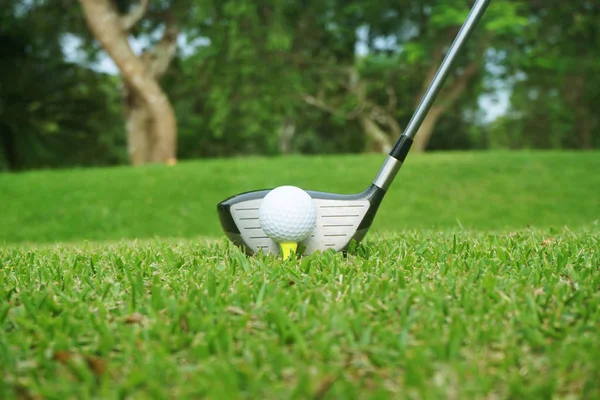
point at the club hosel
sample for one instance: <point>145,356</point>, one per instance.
<point>392,163</point>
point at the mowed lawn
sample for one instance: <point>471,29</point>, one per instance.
<point>479,280</point>
<point>482,191</point>
<point>421,315</point>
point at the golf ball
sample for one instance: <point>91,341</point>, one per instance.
<point>287,214</point>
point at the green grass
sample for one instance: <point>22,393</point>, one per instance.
<point>481,191</point>
<point>428,315</point>
<point>479,280</point>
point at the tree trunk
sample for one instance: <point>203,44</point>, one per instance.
<point>288,130</point>
<point>421,139</point>
<point>151,111</point>
<point>586,130</point>
<point>379,141</point>
<point>137,124</point>
<point>575,95</point>
<point>9,147</point>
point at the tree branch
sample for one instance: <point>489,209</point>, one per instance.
<point>320,104</point>
<point>374,132</point>
<point>392,99</point>
<point>135,15</point>
<point>460,83</point>
<point>158,58</point>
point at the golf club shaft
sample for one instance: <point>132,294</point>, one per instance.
<point>397,155</point>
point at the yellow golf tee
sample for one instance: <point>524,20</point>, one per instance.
<point>287,248</point>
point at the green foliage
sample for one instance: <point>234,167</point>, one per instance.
<point>506,18</point>
<point>456,133</point>
<point>448,14</point>
<point>486,190</point>
<point>235,91</point>
<point>554,100</point>
<point>247,87</point>
<point>411,314</point>
<point>52,113</point>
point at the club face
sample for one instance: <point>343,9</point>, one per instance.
<point>341,219</point>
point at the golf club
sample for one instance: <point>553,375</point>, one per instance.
<point>342,218</point>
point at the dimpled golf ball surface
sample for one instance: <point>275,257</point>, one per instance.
<point>287,214</point>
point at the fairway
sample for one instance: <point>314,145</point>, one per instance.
<point>481,191</point>
<point>479,280</point>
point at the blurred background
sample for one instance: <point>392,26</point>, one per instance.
<point>117,82</point>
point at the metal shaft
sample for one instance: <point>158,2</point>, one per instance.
<point>442,73</point>
<point>394,160</point>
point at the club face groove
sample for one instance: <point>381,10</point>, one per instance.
<point>341,219</point>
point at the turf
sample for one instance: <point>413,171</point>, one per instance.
<point>479,280</point>
<point>479,191</point>
<point>428,315</point>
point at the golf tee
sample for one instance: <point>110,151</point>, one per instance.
<point>287,248</point>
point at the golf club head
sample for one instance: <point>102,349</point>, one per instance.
<point>341,219</point>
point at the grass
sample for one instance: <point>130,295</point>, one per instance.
<point>480,191</point>
<point>479,280</point>
<point>414,315</point>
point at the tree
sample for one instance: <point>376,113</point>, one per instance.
<point>247,82</point>
<point>555,68</point>
<point>53,113</point>
<point>150,120</point>
<point>415,37</point>
<point>282,76</point>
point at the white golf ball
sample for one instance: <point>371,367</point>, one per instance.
<point>287,214</point>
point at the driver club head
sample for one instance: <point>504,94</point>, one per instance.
<point>341,219</point>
